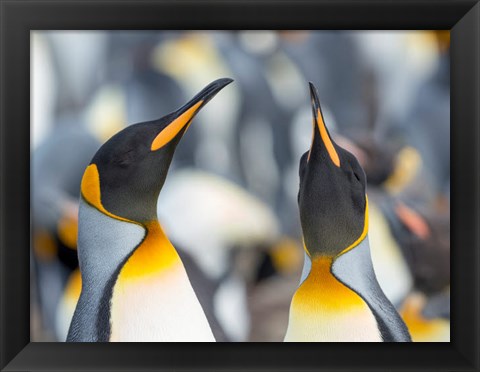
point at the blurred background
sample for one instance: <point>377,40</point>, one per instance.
<point>385,96</point>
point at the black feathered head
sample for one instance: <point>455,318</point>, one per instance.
<point>127,173</point>
<point>332,200</point>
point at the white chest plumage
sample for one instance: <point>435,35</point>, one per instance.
<point>153,299</point>
<point>357,325</point>
<point>161,307</point>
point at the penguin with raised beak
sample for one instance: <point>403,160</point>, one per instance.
<point>134,284</point>
<point>339,298</point>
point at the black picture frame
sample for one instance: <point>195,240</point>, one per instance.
<point>19,17</point>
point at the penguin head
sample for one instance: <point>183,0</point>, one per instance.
<point>127,173</point>
<point>332,200</point>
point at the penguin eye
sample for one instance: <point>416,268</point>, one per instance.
<point>356,176</point>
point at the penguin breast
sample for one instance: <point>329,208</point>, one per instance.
<point>324,309</point>
<point>153,299</point>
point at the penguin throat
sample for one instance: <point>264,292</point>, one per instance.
<point>155,254</point>
<point>321,291</point>
<point>153,299</point>
<point>319,254</point>
<point>309,250</point>
<point>324,308</point>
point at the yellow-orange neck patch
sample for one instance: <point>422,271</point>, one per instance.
<point>172,129</point>
<point>326,140</point>
<point>90,189</point>
<point>321,288</point>
<point>322,292</point>
<point>153,256</point>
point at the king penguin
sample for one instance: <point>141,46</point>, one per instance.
<point>339,298</point>
<point>134,284</point>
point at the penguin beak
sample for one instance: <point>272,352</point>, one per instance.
<point>321,140</point>
<point>184,116</point>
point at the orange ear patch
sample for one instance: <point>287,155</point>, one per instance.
<point>326,139</point>
<point>170,131</point>
<point>90,189</point>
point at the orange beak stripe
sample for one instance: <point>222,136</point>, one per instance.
<point>169,132</point>
<point>326,139</point>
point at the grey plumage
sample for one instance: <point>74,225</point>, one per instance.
<point>104,243</point>
<point>355,269</point>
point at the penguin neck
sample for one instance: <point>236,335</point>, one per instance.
<point>324,308</point>
<point>318,252</point>
<point>319,281</point>
<point>104,244</point>
<point>153,299</point>
<point>155,254</point>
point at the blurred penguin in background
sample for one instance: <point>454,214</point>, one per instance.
<point>57,166</point>
<point>58,161</point>
<point>414,199</point>
<point>428,128</point>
